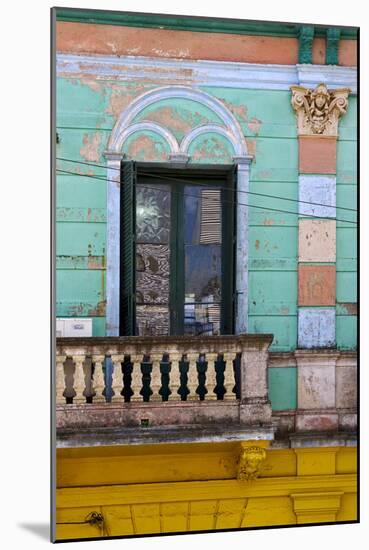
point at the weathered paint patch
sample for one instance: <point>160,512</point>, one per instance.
<point>121,95</point>
<point>147,146</point>
<point>317,241</point>
<point>254,125</point>
<point>90,149</point>
<point>211,148</point>
<point>316,422</point>
<point>317,155</point>
<point>75,214</point>
<point>283,388</point>
<point>80,262</point>
<point>271,107</point>
<point>320,190</point>
<point>251,146</point>
<point>178,115</point>
<point>240,111</point>
<point>346,308</point>
<point>317,285</point>
<point>316,386</point>
<point>80,309</point>
<point>346,387</point>
<point>74,140</point>
<point>316,327</point>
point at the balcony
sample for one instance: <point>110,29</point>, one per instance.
<point>179,384</point>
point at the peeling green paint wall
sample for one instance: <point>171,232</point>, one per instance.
<point>86,113</point>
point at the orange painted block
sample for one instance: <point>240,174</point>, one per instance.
<point>317,285</point>
<point>347,53</point>
<point>317,155</point>
<point>318,51</point>
<point>120,40</point>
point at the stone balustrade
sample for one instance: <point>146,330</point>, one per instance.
<point>162,380</point>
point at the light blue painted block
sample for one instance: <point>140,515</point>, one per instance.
<point>316,327</point>
<point>320,190</point>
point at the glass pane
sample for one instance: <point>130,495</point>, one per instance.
<point>203,270</point>
<point>201,318</point>
<point>203,260</point>
<point>152,259</point>
<point>152,213</point>
<point>203,221</point>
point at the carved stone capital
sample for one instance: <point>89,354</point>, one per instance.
<point>250,462</point>
<point>318,110</point>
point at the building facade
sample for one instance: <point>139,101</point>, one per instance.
<point>205,273</point>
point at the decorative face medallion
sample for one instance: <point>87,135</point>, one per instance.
<point>250,461</point>
<point>318,110</point>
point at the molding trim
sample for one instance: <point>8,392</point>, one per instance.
<point>151,127</point>
<point>189,23</point>
<point>239,147</point>
<point>200,490</point>
<point>333,76</point>
<point>226,74</point>
<point>178,92</point>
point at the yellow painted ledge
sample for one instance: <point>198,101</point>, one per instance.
<point>296,486</point>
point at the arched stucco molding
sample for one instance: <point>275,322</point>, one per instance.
<point>151,127</point>
<point>125,127</point>
<point>212,128</point>
<point>175,92</point>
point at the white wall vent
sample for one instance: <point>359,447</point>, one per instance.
<point>73,327</point>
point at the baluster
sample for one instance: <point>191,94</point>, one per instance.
<point>136,383</point>
<point>155,384</point>
<point>229,380</point>
<point>60,379</point>
<point>79,379</point>
<point>174,376</point>
<point>117,382</point>
<point>211,380</point>
<point>193,379</point>
<point>98,379</point>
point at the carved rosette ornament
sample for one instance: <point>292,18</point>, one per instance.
<point>318,110</point>
<point>250,462</point>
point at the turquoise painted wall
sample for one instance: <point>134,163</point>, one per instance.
<point>86,113</point>
<point>282,383</point>
<point>346,323</point>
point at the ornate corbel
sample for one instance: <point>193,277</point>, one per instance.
<point>250,462</point>
<point>318,110</point>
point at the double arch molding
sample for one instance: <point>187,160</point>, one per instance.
<point>125,127</point>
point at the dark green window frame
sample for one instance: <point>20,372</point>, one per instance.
<point>132,172</point>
